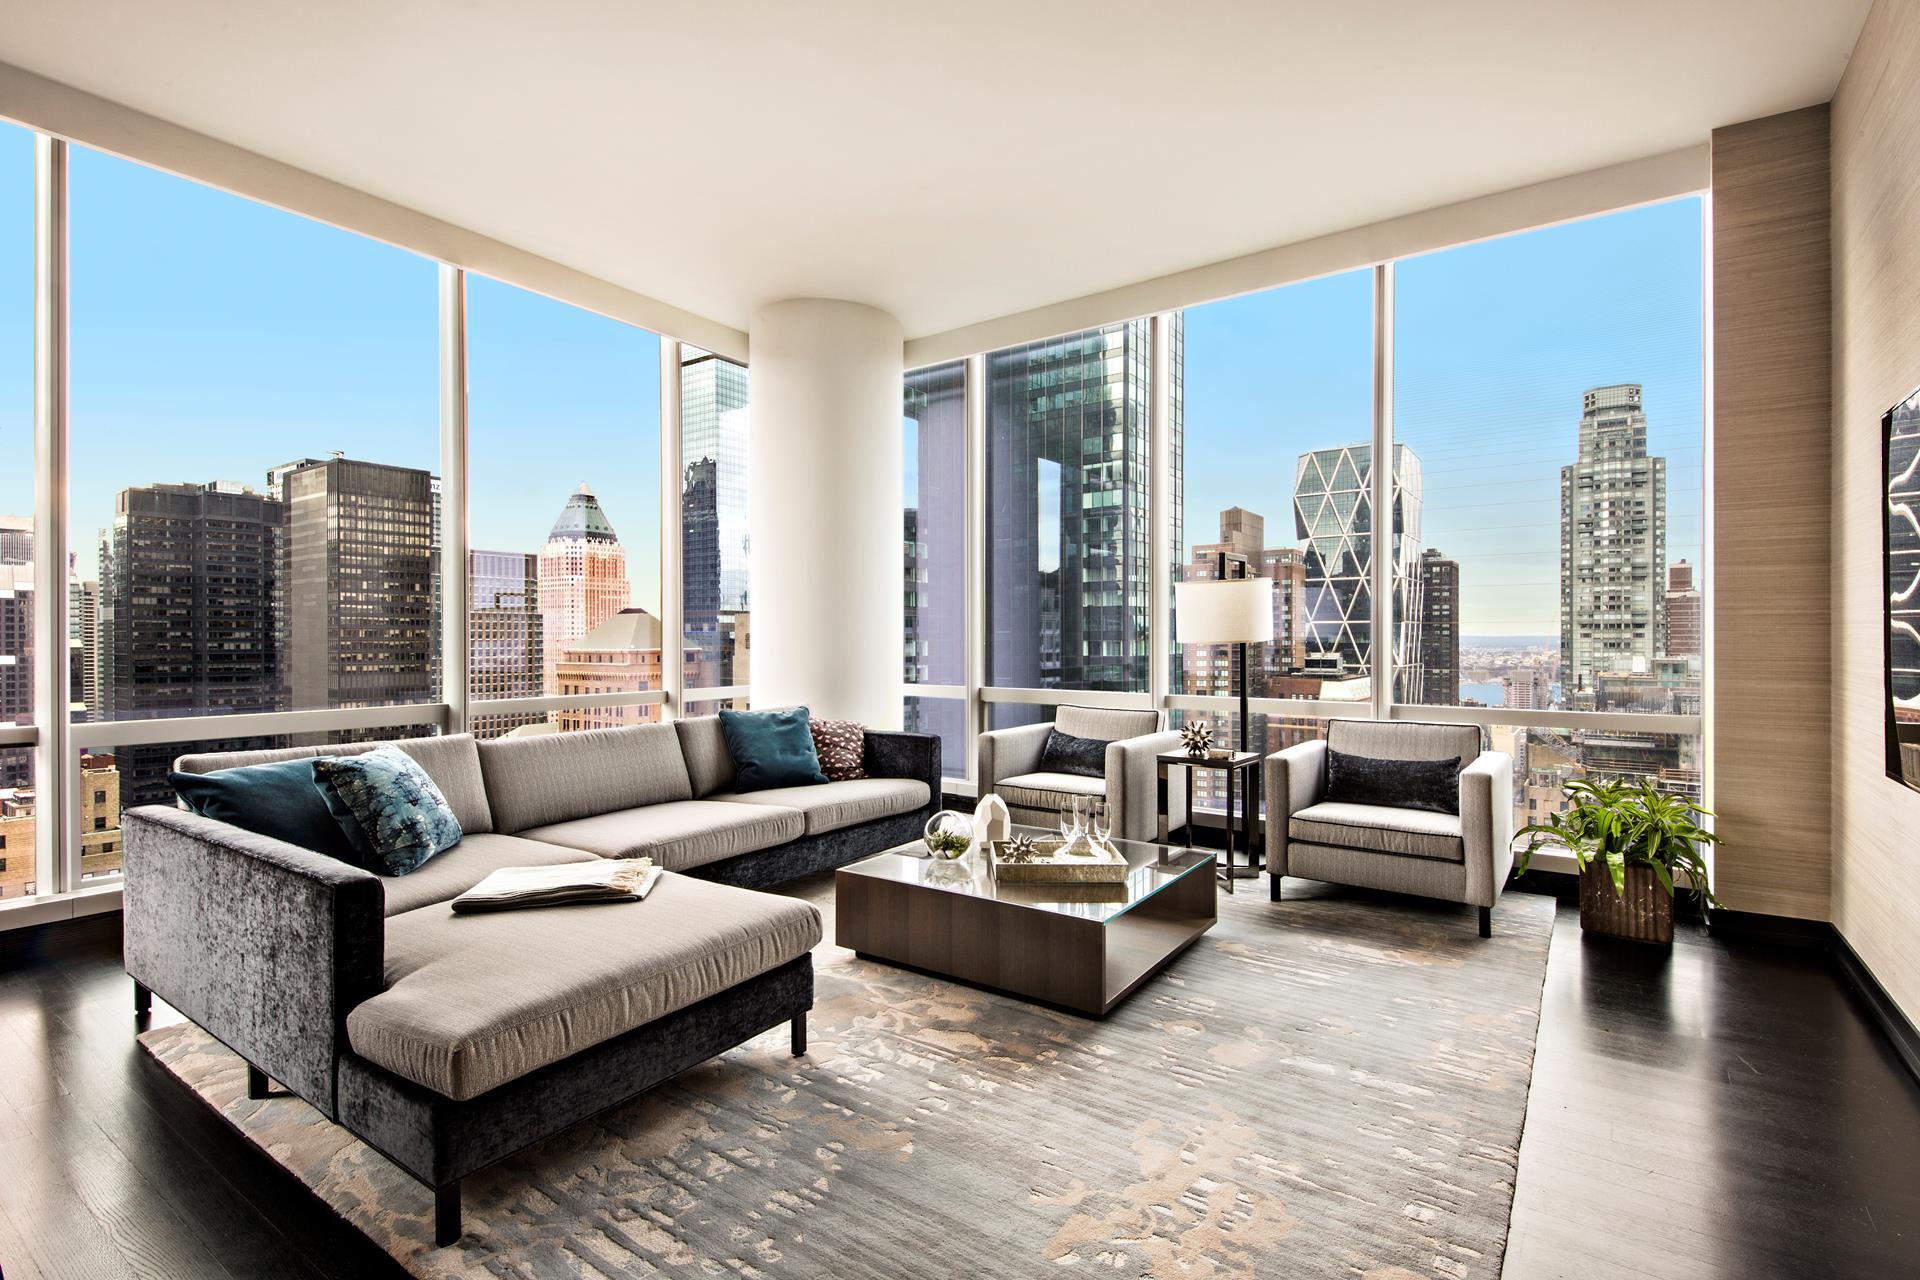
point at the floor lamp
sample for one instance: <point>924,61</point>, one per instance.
<point>1236,611</point>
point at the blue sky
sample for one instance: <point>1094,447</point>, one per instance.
<point>214,338</point>
<point>1494,345</point>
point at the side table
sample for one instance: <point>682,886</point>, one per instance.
<point>1243,777</point>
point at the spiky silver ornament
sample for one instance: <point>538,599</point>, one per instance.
<point>1020,849</point>
<point>1197,737</point>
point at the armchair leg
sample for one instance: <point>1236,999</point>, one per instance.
<point>446,1214</point>
<point>142,1001</point>
<point>1486,922</point>
<point>1273,887</point>
<point>799,1034</point>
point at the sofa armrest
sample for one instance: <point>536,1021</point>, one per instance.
<point>1008,753</point>
<point>892,754</point>
<point>265,945</point>
<point>1133,786</point>
<point>1486,824</point>
<point>1294,779</point>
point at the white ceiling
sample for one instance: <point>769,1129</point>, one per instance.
<point>948,163</point>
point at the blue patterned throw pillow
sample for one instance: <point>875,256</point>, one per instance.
<point>392,814</point>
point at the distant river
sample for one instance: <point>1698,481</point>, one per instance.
<point>1492,692</point>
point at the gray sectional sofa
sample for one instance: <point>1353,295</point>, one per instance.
<point>448,1042</point>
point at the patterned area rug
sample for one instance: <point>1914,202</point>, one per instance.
<point>1330,1086</point>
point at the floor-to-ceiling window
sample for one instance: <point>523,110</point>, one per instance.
<point>933,532</point>
<point>253,450</point>
<point>1275,462</point>
<point>1067,527</point>
<point>563,414</point>
<point>1549,385</point>
<point>17,492</point>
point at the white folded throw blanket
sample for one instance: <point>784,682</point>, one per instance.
<point>611,880</point>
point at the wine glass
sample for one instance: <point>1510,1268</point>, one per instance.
<point>1072,821</point>
<point>1100,819</point>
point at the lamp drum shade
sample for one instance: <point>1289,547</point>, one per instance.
<point>1224,611</point>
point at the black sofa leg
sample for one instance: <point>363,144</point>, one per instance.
<point>446,1214</point>
<point>142,1001</point>
<point>799,1034</point>
<point>1486,922</point>
<point>1273,887</point>
<point>257,1083</point>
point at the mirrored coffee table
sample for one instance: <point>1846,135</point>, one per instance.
<point>1084,947</point>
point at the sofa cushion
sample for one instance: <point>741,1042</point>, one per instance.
<point>1108,724</point>
<point>393,814</point>
<point>1046,791</point>
<point>704,744</point>
<point>771,749</point>
<point>465,865</point>
<point>453,762</point>
<point>473,1001</point>
<point>276,798</point>
<point>832,805</point>
<point>1410,833</point>
<point>678,835</point>
<point>557,777</point>
<point>842,748</point>
<point>1082,757</point>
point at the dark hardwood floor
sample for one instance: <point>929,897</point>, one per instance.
<point>1723,1111</point>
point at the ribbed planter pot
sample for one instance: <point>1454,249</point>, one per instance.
<point>1643,913</point>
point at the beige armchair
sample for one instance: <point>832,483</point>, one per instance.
<point>1009,767</point>
<point>1457,858</point>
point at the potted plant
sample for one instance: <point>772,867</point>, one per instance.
<point>1630,838</point>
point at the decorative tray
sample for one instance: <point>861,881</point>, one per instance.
<point>1101,865</point>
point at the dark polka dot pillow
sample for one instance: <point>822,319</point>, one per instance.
<point>842,747</point>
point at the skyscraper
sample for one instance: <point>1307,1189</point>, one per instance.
<point>1067,461</point>
<point>83,637</point>
<point>1440,628</point>
<point>1333,512</point>
<point>505,654</point>
<point>187,622</point>
<point>1613,543</point>
<point>16,539</point>
<point>356,583</point>
<point>1684,631</point>
<point>16,667</point>
<point>713,431</point>
<point>583,579</point>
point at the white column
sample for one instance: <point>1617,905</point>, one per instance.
<point>57,821</point>
<point>825,578</point>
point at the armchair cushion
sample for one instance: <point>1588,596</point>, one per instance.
<point>1047,791</point>
<point>1407,833</point>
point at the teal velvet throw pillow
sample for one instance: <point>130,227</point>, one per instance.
<point>389,809</point>
<point>771,749</point>
<point>277,800</point>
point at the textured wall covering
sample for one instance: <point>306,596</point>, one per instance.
<point>1876,276</point>
<point>1772,388</point>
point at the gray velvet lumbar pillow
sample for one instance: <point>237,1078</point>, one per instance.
<point>1433,785</point>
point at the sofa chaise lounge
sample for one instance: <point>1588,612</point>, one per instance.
<point>447,1042</point>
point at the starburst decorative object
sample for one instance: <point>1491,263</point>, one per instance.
<point>1197,737</point>
<point>1021,849</point>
